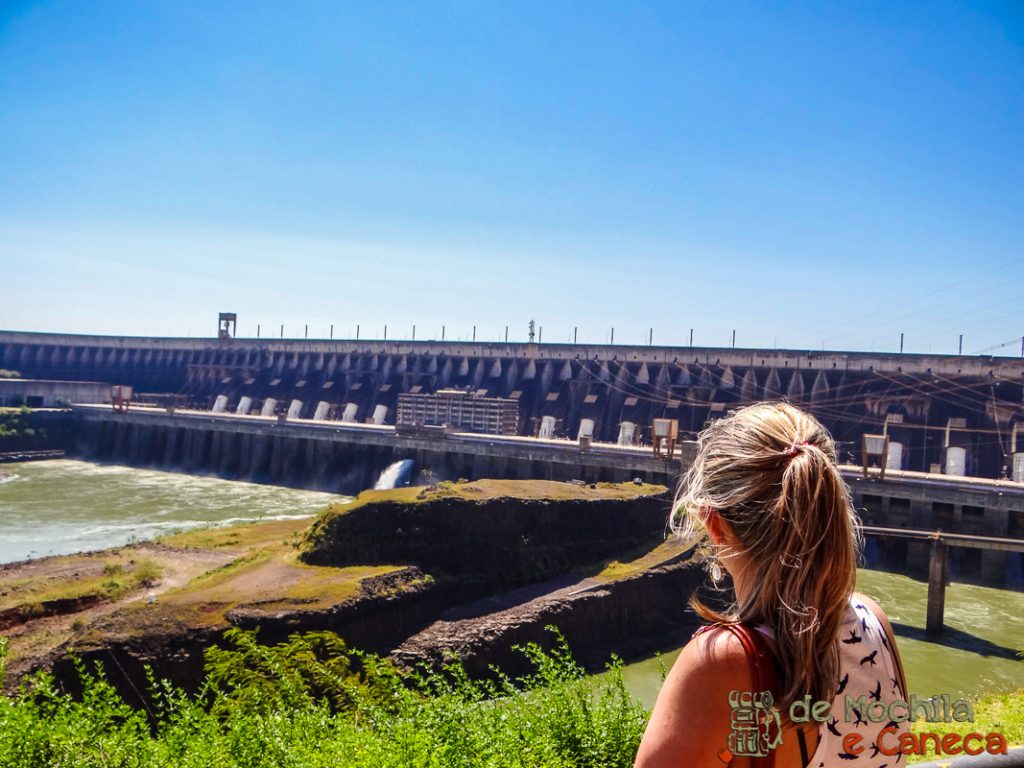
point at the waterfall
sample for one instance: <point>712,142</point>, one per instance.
<point>395,475</point>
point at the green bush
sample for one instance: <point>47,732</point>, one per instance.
<point>146,573</point>
<point>14,423</point>
<point>313,702</point>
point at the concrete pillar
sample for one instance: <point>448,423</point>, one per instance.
<point>187,453</point>
<point>993,562</point>
<point>936,588</point>
<point>216,452</point>
<point>919,552</point>
<point>244,455</point>
<point>228,454</point>
<point>479,467</point>
<point>170,448</point>
<point>501,469</point>
<point>276,458</point>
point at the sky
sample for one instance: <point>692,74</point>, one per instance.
<point>810,175</point>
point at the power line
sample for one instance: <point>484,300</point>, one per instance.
<point>958,284</point>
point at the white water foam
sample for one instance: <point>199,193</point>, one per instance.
<point>390,477</point>
<point>65,506</point>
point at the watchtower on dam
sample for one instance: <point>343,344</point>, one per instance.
<point>956,415</point>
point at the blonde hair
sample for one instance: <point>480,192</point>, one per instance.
<point>771,473</point>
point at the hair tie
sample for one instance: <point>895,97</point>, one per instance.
<point>795,448</point>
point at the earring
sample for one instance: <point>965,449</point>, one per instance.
<point>707,555</point>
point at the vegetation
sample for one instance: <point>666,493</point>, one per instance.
<point>486,490</point>
<point>14,423</point>
<point>119,576</point>
<point>999,713</point>
<point>313,702</point>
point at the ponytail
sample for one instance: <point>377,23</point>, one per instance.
<point>770,471</point>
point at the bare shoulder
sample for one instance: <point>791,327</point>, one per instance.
<point>691,718</point>
<point>714,659</point>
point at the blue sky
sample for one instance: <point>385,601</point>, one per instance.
<point>807,173</point>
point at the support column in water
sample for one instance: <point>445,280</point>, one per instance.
<point>936,588</point>
<point>993,562</point>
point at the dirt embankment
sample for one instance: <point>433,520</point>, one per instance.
<point>467,568</point>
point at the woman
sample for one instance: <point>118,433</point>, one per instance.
<point>765,499</point>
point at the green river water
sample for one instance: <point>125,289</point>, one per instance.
<point>63,506</point>
<point>977,654</point>
<point>59,507</point>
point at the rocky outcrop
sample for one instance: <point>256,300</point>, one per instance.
<point>13,617</point>
<point>635,614</point>
<point>486,533</point>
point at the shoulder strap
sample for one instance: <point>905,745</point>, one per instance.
<point>763,672</point>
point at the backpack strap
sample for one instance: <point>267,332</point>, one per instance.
<point>764,672</point>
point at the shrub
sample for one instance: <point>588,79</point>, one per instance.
<point>147,573</point>
<point>311,701</point>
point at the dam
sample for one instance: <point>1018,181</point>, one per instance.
<point>948,414</point>
<point>321,415</point>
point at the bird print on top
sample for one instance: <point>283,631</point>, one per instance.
<point>866,669</point>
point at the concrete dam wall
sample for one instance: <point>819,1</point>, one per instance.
<point>343,458</point>
<point>952,414</point>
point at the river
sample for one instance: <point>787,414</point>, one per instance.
<point>977,653</point>
<point>63,506</point>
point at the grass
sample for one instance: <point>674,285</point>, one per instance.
<point>119,575</point>
<point>211,571</point>
<point>486,490</point>
<point>240,537</point>
<point>998,713</point>
<point>263,578</point>
<point>641,560</point>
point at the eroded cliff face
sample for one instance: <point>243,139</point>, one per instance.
<point>641,609</point>
<point>496,533</point>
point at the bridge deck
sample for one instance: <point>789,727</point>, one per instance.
<point>964,540</point>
